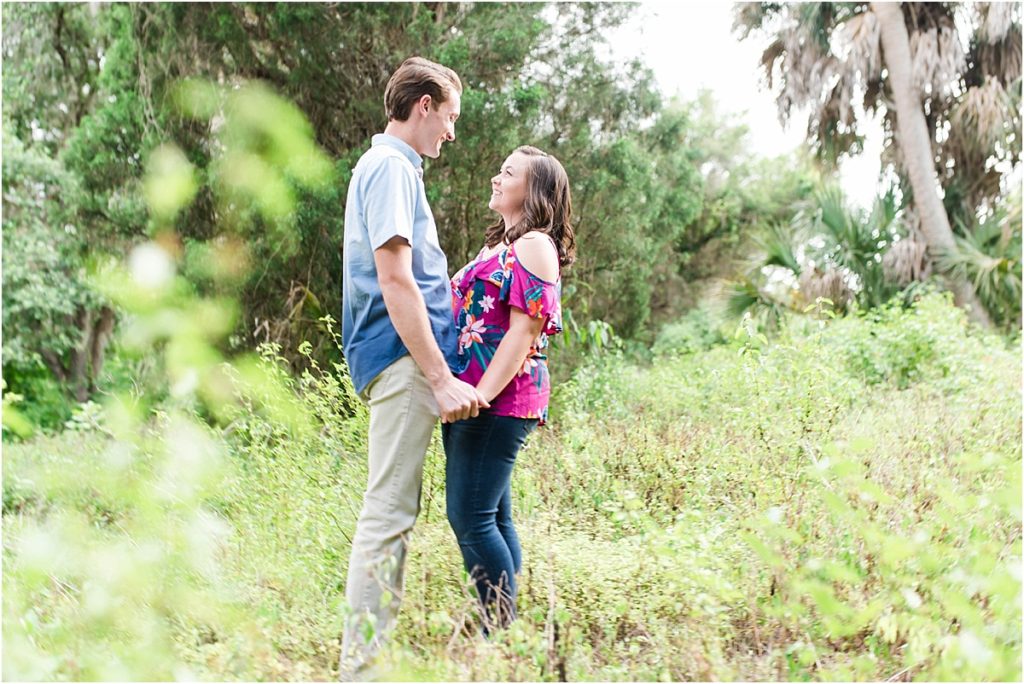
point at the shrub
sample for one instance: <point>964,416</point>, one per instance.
<point>755,511</point>
<point>902,345</point>
<point>694,332</point>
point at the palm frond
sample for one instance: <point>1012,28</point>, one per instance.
<point>937,58</point>
<point>852,239</point>
<point>743,298</point>
<point>777,244</point>
<point>993,267</point>
<point>1000,58</point>
<point>862,36</point>
<point>884,211</point>
<point>852,242</point>
<point>995,20</point>
<point>748,17</point>
<point>833,213</point>
<point>984,116</point>
<point>907,261</point>
<point>826,284</point>
<point>740,297</point>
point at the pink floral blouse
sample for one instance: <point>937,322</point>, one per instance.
<point>483,293</point>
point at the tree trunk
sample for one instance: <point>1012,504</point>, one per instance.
<point>77,381</point>
<point>98,340</point>
<point>915,144</point>
<point>55,365</point>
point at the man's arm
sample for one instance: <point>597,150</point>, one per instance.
<point>404,301</point>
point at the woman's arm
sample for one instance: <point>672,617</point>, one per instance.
<point>537,255</point>
<point>510,354</point>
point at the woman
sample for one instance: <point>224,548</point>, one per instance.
<point>506,303</point>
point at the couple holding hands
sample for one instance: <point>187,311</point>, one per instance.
<point>469,349</point>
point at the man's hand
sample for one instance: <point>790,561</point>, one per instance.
<point>408,312</point>
<point>458,400</point>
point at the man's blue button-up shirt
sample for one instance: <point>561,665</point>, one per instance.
<point>386,198</point>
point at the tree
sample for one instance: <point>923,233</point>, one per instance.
<point>828,58</point>
<point>740,196</point>
<point>52,322</point>
<point>913,140</point>
<point>51,319</point>
<point>532,74</point>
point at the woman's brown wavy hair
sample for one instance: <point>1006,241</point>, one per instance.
<point>547,208</point>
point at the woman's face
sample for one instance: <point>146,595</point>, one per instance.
<point>508,187</point>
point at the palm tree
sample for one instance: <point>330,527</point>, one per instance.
<point>832,251</point>
<point>827,59</point>
<point>914,142</point>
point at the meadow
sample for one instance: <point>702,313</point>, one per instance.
<point>841,501</point>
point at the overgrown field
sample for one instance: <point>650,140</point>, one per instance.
<point>842,501</point>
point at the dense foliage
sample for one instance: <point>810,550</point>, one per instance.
<point>92,89</point>
<point>843,502</point>
<point>840,501</point>
<point>964,78</point>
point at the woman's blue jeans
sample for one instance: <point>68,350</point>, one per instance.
<point>480,454</point>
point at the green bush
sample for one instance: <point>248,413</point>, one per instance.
<point>44,402</point>
<point>902,345</point>
<point>761,510</point>
<point>694,332</point>
<point>895,563</point>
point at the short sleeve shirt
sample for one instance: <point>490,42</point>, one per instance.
<point>386,198</point>
<point>483,294</point>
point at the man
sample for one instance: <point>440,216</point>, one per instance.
<point>399,340</point>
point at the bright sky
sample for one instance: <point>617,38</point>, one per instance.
<point>691,46</point>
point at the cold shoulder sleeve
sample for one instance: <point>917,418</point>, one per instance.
<point>527,292</point>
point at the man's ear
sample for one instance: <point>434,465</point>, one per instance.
<point>424,104</point>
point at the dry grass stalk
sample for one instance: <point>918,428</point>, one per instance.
<point>828,284</point>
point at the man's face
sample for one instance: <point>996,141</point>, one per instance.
<point>438,125</point>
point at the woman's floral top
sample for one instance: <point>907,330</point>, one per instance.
<point>483,293</point>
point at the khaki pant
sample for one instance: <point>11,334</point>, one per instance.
<point>403,413</point>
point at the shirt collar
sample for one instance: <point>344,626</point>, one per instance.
<point>403,147</point>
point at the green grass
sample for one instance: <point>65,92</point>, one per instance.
<point>841,502</point>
